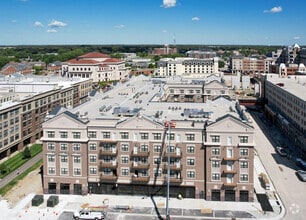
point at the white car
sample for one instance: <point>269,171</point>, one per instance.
<point>88,214</point>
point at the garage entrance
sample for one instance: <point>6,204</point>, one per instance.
<point>229,195</point>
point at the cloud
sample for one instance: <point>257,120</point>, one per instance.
<point>297,38</point>
<point>169,3</point>
<point>51,31</point>
<point>120,26</point>
<point>14,21</point>
<point>195,19</point>
<point>38,24</point>
<point>164,31</point>
<point>274,10</point>
<point>57,24</point>
<point>23,0</point>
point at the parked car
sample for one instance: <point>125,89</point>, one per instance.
<point>300,163</point>
<point>281,151</point>
<point>88,214</point>
<point>302,175</point>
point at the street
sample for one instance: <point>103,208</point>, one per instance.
<point>281,170</point>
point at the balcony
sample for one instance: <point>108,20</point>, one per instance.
<point>108,178</point>
<point>140,153</point>
<point>112,164</point>
<point>140,179</point>
<point>229,158</point>
<point>229,184</point>
<point>108,152</point>
<point>140,166</point>
<point>174,179</point>
<point>175,167</point>
<point>229,171</point>
<point>173,154</point>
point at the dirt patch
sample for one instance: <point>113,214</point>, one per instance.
<point>29,184</point>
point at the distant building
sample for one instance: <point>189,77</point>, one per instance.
<point>14,67</point>
<point>97,66</point>
<point>201,54</point>
<point>250,65</point>
<point>166,50</point>
<point>26,101</point>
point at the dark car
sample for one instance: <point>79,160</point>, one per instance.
<point>281,151</point>
<point>302,175</point>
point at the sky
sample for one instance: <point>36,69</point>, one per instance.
<point>201,22</point>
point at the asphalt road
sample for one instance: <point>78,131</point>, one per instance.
<point>281,170</point>
<point>22,169</point>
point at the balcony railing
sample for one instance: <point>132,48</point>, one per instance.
<point>140,153</point>
<point>112,164</point>
<point>143,166</point>
<point>173,154</point>
<point>229,171</point>
<point>111,152</point>
<point>230,184</point>
<point>175,167</point>
<point>174,179</point>
<point>229,158</point>
<point>109,178</point>
<point>140,179</point>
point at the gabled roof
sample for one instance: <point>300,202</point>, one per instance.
<point>93,55</point>
<point>232,117</point>
<point>80,61</point>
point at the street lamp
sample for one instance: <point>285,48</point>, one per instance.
<point>168,124</point>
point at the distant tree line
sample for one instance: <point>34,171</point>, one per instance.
<point>52,53</point>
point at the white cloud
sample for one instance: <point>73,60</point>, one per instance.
<point>195,19</point>
<point>38,24</point>
<point>169,3</point>
<point>121,26</point>
<point>274,10</point>
<point>56,24</point>
<point>51,31</point>
<point>14,21</point>
<point>23,0</point>
<point>297,38</point>
<point>164,31</point>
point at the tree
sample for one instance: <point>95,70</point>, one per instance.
<point>26,153</point>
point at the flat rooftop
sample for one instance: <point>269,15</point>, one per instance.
<point>295,85</point>
<point>141,95</point>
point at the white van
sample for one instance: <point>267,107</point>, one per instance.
<point>88,214</point>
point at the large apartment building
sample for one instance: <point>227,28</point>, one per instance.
<point>120,141</point>
<point>30,100</point>
<point>97,66</point>
<point>286,104</point>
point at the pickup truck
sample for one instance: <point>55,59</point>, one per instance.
<point>88,214</point>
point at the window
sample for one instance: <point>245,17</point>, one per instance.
<point>215,163</point>
<point>215,139</point>
<point>124,160</point>
<point>51,170</point>
<point>157,173</point>
<point>51,134</point>
<point>92,158</point>
<point>64,134</point>
<point>144,148</point>
<point>125,172</point>
<point>64,171</point>
<point>157,136</point>
<point>106,134</point>
<point>157,160</point>
<point>124,135</point>
<point>77,159</point>
<point>190,162</point>
<point>144,136</point>
<point>124,147</point>
<point>215,177</point>
<point>244,152</point>
<point>215,151</point>
<point>244,177</point>
<point>92,146</point>
<point>171,136</point>
<point>64,158</point>
<point>170,149</point>
<point>92,134</point>
<point>243,139</point>
<point>51,158</point>
<point>51,146</point>
<point>63,147</point>
<point>190,174</point>
<point>244,164</point>
<point>76,147</point>
<point>190,137</point>
<point>157,148</point>
<point>190,149</point>
<point>76,135</point>
<point>77,171</point>
<point>92,170</point>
